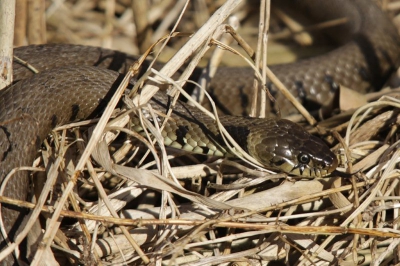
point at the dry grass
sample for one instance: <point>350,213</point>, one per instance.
<point>186,210</point>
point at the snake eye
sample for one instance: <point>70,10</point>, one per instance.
<point>303,158</point>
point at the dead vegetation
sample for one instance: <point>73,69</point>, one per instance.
<point>137,203</point>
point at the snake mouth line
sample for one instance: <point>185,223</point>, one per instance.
<point>306,170</point>
<point>317,172</point>
<point>311,172</point>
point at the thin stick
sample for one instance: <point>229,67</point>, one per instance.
<point>36,22</point>
<point>7,11</point>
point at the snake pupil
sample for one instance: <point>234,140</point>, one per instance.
<point>303,158</point>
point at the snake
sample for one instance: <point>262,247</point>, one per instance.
<point>75,82</point>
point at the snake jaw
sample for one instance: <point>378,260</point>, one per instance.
<point>310,170</point>
<point>317,167</point>
<point>299,169</point>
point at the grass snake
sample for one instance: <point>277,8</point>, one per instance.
<point>68,88</point>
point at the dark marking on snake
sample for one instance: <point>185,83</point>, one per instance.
<point>54,120</point>
<point>244,99</point>
<point>181,134</point>
<point>38,141</point>
<point>205,149</point>
<point>300,89</point>
<point>332,84</point>
<point>74,112</point>
<point>363,72</point>
<point>269,85</point>
<point>6,143</point>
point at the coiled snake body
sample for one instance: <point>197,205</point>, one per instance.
<point>73,90</point>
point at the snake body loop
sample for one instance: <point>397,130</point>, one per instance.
<point>67,89</point>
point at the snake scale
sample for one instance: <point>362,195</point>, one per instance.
<point>69,88</point>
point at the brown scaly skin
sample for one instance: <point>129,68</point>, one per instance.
<point>362,63</point>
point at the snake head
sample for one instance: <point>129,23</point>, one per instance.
<point>286,146</point>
